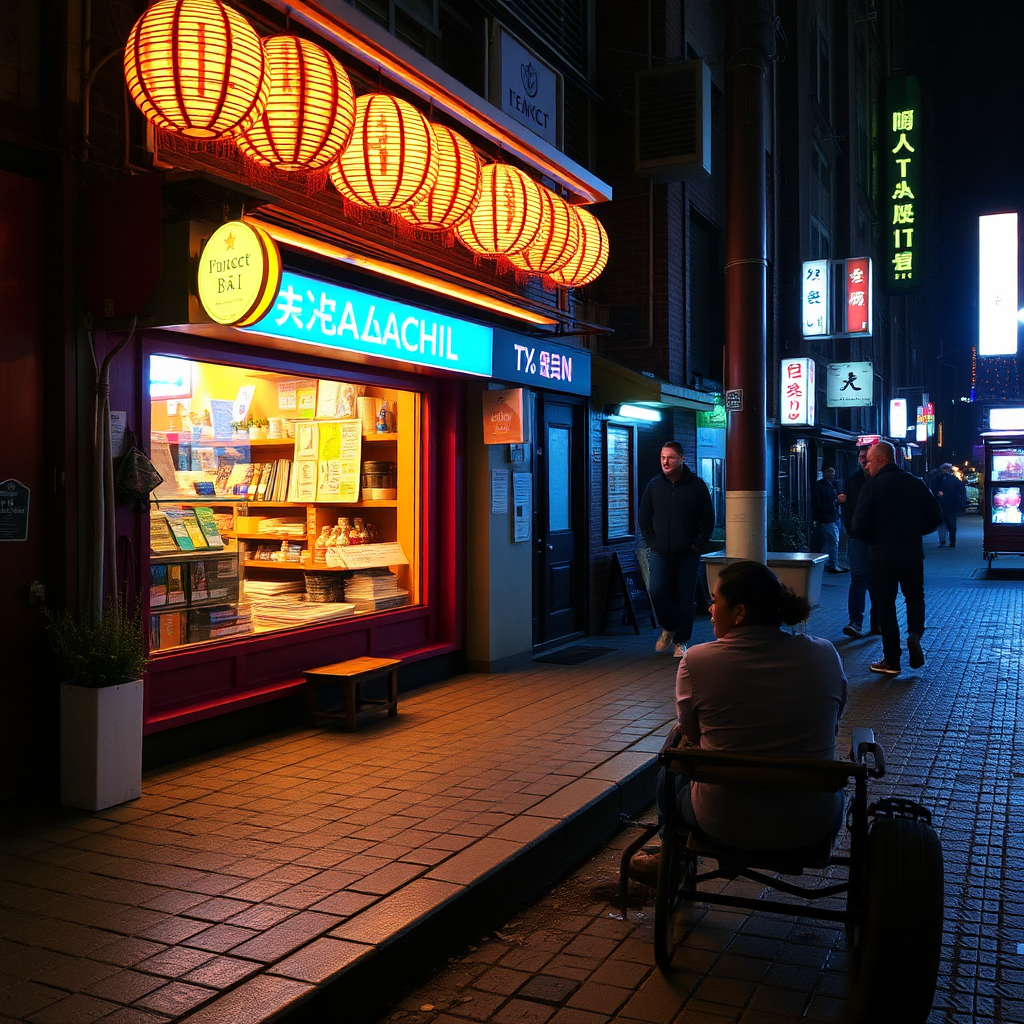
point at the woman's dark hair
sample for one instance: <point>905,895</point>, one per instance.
<point>757,588</point>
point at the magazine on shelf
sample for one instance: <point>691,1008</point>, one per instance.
<point>161,540</point>
<point>208,524</point>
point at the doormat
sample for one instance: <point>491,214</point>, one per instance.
<point>574,655</point>
<point>999,575</point>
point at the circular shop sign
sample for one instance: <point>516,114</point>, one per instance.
<point>239,274</point>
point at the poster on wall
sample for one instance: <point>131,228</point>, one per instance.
<point>522,504</point>
<point>338,452</point>
<point>849,384</point>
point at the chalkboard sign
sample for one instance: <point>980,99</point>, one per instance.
<point>625,575</point>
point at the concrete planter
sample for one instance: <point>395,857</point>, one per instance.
<point>100,745</point>
<point>797,569</point>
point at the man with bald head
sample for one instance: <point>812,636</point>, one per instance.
<point>894,511</point>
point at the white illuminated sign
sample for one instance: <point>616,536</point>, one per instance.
<point>849,384</point>
<point>997,285</point>
<point>796,392</point>
<point>897,417</point>
<point>815,299</point>
<point>1006,419</point>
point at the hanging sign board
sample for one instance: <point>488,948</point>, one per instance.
<point>897,417</point>
<point>239,273</point>
<point>816,299</point>
<point>849,384</point>
<point>796,397</point>
<point>503,417</point>
<point>525,87</point>
<point>14,496</point>
<point>857,296</point>
<point>901,150</point>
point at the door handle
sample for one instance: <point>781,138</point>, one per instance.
<point>550,547</point>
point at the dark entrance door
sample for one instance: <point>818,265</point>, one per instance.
<point>559,521</point>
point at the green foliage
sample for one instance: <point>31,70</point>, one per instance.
<point>107,653</point>
<point>786,530</point>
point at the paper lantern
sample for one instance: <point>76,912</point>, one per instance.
<point>310,108</point>
<point>457,189</point>
<point>508,216</point>
<point>556,241</point>
<point>392,158</point>
<point>591,255</point>
<point>195,68</point>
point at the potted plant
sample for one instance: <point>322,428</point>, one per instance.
<point>100,705</point>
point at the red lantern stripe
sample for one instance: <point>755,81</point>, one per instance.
<point>508,216</point>
<point>591,256</point>
<point>557,240</point>
<point>457,190</point>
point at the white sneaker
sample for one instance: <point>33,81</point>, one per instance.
<point>664,641</point>
<point>679,651</point>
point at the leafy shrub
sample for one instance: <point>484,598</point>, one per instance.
<point>107,653</point>
<point>786,530</point>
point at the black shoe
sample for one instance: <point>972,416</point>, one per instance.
<point>916,654</point>
<point>852,631</point>
<point>952,543</point>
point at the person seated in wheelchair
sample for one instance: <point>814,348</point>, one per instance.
<point>756,689</point>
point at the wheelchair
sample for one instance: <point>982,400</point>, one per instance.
<point>888,887</point>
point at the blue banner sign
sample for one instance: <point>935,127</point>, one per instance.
<point>321,313</point>
<point>541,364</point>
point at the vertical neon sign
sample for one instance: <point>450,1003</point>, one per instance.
<point>901,150</point>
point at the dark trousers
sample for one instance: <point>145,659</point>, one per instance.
<point>906,575</point>
<point>860,584</point>
<point>672,585</point>
<point>949,521</point>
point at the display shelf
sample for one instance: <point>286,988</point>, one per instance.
<point>251,535</point>
<point>163,557</point>
<point>266,563</point>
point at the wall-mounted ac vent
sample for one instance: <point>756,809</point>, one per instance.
<point>673,122</point>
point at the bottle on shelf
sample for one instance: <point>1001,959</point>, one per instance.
<point>354,536</point>
<point>320,548</point>
<point>342,532</point>
<point>382,418</point>
<point>360,528</point>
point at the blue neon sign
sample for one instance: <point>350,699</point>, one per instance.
<point>321,313</point>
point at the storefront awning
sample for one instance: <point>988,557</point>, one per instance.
<point>613,384</point>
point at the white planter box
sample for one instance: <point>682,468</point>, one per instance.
<point>797,569</point>
<point>100,745</point>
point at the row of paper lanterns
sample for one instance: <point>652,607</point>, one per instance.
<point>197,69</point>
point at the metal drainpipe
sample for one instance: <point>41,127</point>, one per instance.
<point>748,33</point>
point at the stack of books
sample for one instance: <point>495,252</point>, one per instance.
<point>373,590</point>
<point>284,526</point>
<point>290,610</point>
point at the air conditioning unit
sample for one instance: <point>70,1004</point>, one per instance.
<point>673,122</point>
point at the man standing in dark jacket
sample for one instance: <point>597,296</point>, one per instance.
<point>676,519</point>
<point>952,498</point>
<point>857,553</point>
<point>894,511</point>
<point>825,506</point>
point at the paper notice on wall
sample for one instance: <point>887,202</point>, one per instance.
<point>118,425</point>
<point>499,492</point>
<point>243,401</point>
<point>338,454</point>
<point>522,506</point>
<point>286,395</point>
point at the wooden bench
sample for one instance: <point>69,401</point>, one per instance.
<point>351,675</point>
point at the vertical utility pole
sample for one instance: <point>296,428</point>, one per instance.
<point>748,38</point>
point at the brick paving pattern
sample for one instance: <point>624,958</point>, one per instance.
<point>245,882</point>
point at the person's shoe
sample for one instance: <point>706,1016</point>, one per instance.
<point>643,867</point>
<point>679,650</point>
<point>952,543</point>
<point>664,641</point>
<point>916,654</point>
<point>842,568</point>
<point>885,668</point>
<point>852,631</point>
<point>942,543</point>
<point>828,568</point>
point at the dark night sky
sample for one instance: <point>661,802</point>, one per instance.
<point>972,79</point>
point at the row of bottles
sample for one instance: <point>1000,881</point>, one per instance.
<point>342,535</point>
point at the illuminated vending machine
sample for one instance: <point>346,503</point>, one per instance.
<point>1000,503</point>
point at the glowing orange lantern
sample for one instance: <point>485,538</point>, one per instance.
<point>310,108</point>
<point>591,255</point>
<point>392,158</point>
<point>556,241</point>
<point>457,189</point>
<point>508,216</point>
<point>195,68</point>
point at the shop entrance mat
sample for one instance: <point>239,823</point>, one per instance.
<point>574,655</point>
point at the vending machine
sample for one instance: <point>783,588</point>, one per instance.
<point>1000,502</point>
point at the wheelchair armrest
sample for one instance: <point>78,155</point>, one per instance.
<point>675,737</point>
<point>863,743</point>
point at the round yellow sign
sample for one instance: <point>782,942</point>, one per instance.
<point>239,274</point>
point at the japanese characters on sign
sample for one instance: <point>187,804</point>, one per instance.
<point>796,392</point>
<point>857,295</point>
<point>816,321</point>
<point>997,285</point>
<point>901,149</point>
<point>540,364</point>
<point>848,384</point>
<point>322,313</point>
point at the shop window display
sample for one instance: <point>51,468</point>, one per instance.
<point>286,502</point>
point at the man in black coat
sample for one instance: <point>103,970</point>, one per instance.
<point>857,554</point>
<point>894,511</point>
<point>676,519</point>
<point>952,498</point>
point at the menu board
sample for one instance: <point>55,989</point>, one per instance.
<point>1008,463</point>
<point>1006,505</point>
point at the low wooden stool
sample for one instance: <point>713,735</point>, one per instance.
<point>351,675</point>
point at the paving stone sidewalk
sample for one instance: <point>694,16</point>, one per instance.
<point>311,874</point>
<point>952,733</point>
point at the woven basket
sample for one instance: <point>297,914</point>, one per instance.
<point>324,587</point>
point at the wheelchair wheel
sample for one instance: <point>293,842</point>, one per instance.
<point>896,961</point>
<point>665,900</point>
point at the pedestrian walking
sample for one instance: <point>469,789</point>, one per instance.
<point>894,511</point>
<point>857,554</point>
<point>932,478</point>
<point>676,519</point>
<point>951,495</point>
<point>825,506</point>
